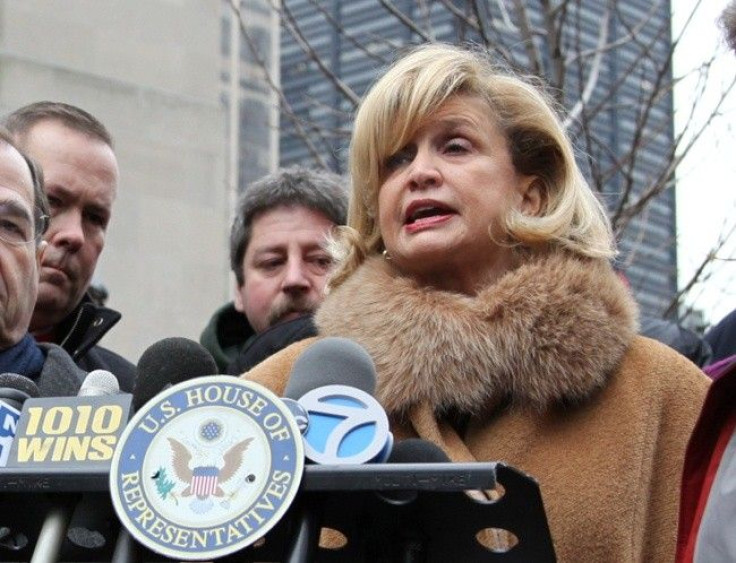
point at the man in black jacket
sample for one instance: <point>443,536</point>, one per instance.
<point>722,337</point>
<point>278,256</point>
<point>75,152</point>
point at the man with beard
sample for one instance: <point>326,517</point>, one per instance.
<point>75,152</point>
<point>278,256</point>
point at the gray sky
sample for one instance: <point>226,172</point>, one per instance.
<point>706,181</point>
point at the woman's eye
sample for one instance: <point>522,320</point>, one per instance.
<point>394,161</point>
<point>457,146</point>
<point>398,159</point>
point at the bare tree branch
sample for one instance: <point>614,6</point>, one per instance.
<point>527,38</point>
<point>292,26</point>
<point>283,102</point>
<point>406,21</point>
<point>593,74</point>
<point>697,276</point>
<point>350,37</point>
<point>554,40</point>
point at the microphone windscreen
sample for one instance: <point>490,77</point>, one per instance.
<point>99,382</point>
<point>332,361</point>
<point>62,378</point>
<point>19,382</point>
<point>413,450</point>
<point>416,450</point>
<point>170,361</point>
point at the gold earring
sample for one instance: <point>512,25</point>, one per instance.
<point>386,255</point>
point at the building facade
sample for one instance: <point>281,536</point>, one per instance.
<point>250,28</point>
<point>149,70</point>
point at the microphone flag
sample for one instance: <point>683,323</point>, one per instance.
<point>8,424</point>
<point>206,468</point>
<point>15,390</point>
<point>346,426</point>
<point>66,435</point>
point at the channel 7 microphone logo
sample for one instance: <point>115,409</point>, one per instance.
<point>8,424</point>
<point>346,426</point>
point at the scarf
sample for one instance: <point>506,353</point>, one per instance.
<point>23,358</point>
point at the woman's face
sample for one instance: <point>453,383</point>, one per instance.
<point>442,193</point>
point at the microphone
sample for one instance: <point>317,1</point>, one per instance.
<point>417,450</point>
<point>98,383</point>
<point>412,542</point>
<point>334,381</point>
<point>167,362</point>
<point>14,390</point>
<point>412,450</point>
<point>164,363</point>
<point>61,382</point>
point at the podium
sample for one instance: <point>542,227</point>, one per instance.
<point>414,512</point>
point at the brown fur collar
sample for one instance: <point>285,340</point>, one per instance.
<point>551,331</point>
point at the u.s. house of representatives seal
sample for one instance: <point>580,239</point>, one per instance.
<point>206,468</point>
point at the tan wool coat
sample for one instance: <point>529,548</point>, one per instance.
<point>546,366</point>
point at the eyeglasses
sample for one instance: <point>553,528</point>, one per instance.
<point>17,226</point>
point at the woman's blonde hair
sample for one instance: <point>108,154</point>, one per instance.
<point>411,91</point>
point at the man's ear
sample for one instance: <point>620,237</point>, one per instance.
<point>238,298</point>
<point>532,196</point>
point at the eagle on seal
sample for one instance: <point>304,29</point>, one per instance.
<point>204,481</point>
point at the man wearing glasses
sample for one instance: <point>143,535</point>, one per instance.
<point>23,219</point>
<point>75,152</point>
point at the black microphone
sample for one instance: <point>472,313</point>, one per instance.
<point>412,450</point>
<point>334,381</point>
<point>164,363</point>
<point>50,538</point>
<point>15,389</point>
<point>417,450</point>
<point>167,362</point>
